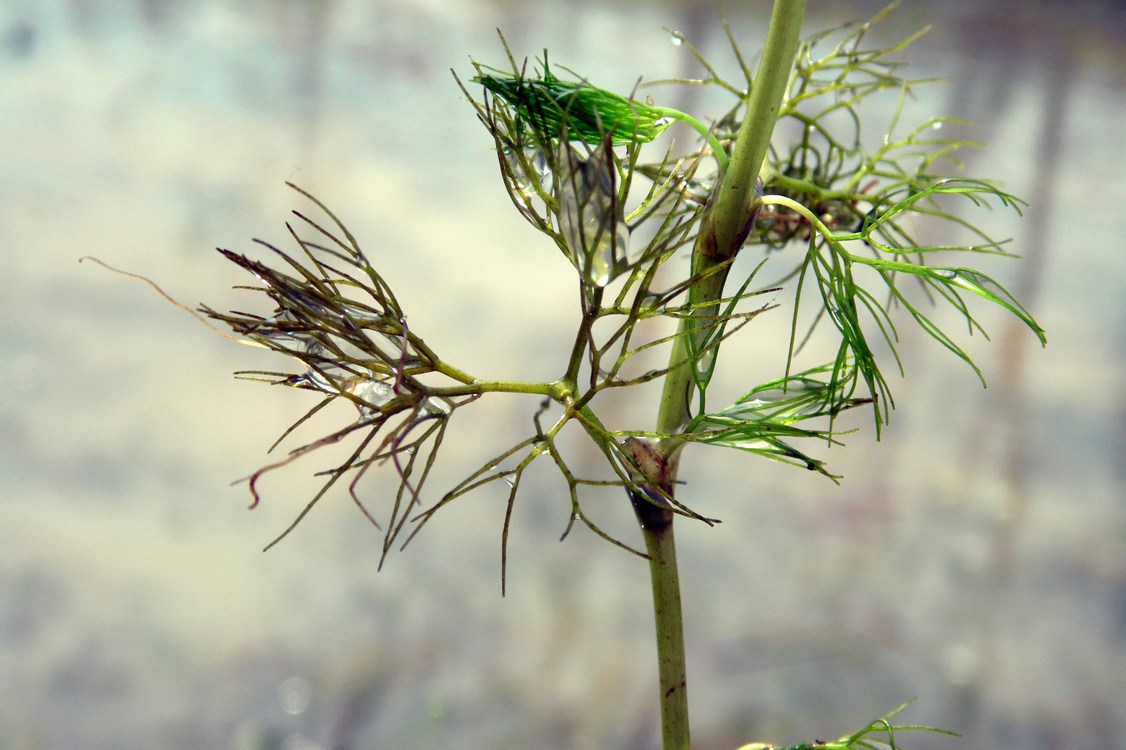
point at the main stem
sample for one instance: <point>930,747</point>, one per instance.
<point>730,216</point>
<point>660,544</point>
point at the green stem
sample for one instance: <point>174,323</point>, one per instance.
<point>795,185</point>
<point>725,227</point>
<point>717,148</point>
<point>477,387</point>
<point>732,204</point>
<point>660,544</point>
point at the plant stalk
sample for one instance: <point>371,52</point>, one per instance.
<point>660,544</point>
<point>732,210</point>
<point>729,219</point>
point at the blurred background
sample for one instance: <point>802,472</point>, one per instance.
<point>974,559</point>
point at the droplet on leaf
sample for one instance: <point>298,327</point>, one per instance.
<point>590,213</point>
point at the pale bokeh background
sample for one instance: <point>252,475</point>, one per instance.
<point>975,559</point>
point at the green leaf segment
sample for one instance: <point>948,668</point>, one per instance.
<point>579,111</point>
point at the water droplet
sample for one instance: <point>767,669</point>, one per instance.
<point>937,125</point>
<point>373,392</point>
<point>705,360</point>
<point>312,345</point>
<point>361,317</point>
<point>591,215</point>
<point>295,694</point>
<point>946,273</point>
<point>541,166</point>
<point>319,381</point>
<point>676,38</point>
<point>509,481</point>
<point>437,406</point>
<point>529,170</point>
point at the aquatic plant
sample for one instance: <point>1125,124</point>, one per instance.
<point>590,171</point>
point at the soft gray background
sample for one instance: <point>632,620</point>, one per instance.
<point>974,559</point>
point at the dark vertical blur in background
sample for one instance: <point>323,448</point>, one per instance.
<point>974,559</point>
